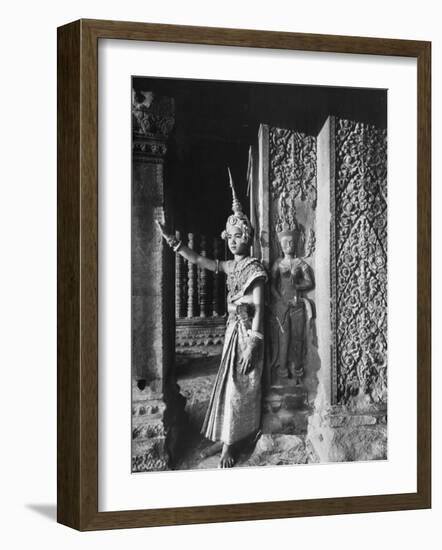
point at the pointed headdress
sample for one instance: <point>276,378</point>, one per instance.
<point>238,219</point>
<point>287,228</point>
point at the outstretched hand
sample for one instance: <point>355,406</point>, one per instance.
<point>161,227</point>
<point>168,238</point>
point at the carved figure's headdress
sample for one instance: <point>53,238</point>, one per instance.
<point>238,218</point>
<point>287,228</point>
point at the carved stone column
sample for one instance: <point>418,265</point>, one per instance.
<point>350,409</point>
<point>156,403</point>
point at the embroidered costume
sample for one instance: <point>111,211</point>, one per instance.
<point>234,410</point>
<point>235,405</point>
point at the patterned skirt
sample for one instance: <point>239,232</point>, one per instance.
<point>235,404</point>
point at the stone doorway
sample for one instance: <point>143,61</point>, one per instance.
<point>288,170</point>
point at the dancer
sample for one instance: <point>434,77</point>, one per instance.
<point>234,412</point>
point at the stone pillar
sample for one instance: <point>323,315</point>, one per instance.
<point>318,431</point>
<point>349,420</point>
<point>155,400</point>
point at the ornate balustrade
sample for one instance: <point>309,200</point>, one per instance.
<point>199,300</point>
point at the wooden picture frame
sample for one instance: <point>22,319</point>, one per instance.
<point>77,388</point>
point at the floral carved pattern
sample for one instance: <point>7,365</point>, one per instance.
<point>360,260</point>
<point>152,116</point>
<point>292,169</point>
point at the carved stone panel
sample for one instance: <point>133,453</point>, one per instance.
<point>152,116</point>
<point>291,351</point>
<point>359,263</point>
<point>153,119</point>
<point>293,189</point>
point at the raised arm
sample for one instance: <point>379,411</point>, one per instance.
<point>189,254</point>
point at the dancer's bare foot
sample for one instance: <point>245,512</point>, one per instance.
<point>211,449</point>
<point>226,460</point>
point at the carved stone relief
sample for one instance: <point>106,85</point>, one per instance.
<point>293,187</point>
<point>291,359</point>
<point>292,168</point>
<point>152,115</point>
<point>359,260</point>
<point>153,119</point>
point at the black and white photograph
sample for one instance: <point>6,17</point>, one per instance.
<point>219,240</point>
<point>259,274</point>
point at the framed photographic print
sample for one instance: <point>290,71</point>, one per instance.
<point>243,275</point>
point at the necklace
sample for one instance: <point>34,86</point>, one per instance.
<point>235,278</point>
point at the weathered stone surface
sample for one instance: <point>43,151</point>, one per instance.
<point>350,442</point>
<point>196,386</point>
<point>350,419</point>
<point>359,443</point>
<point>203,336</point>
<point>148,464</point>
<point>271,423</point>
<point>153,429</point>
<point>285,410</point>
<point>149,455</point>
<point>273,450</point>
<point>312,455</point>
<point>285,421</point>
<point>336,421</point>
<point>265,444</point>
<point>343,434</point>
<point>295,401</point>
<point>361,420</point>
<point>152,408</point>
<point>151,392</point>
<point>156,430</point>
